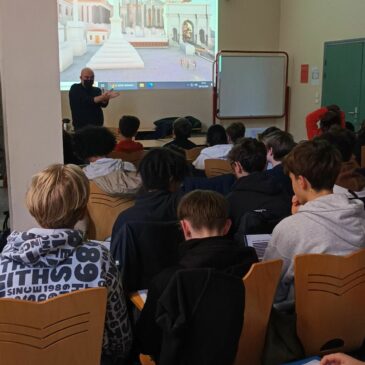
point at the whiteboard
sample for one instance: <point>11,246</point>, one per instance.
<point>251,85</point>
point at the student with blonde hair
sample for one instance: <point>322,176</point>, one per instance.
<point>53,258</point>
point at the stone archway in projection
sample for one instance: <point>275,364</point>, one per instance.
<point>188,31</point>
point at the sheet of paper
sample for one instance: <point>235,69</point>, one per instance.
<point>143,294</point>
<point>313,362</point>
<point>259,242</point>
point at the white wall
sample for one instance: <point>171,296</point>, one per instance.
<point>31,100</point>
<point>304,27</point>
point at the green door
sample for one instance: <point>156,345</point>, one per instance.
<point>343,80</point>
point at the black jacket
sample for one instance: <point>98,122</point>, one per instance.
<point>217,253</point>
<point>221,184</point>
<point>281,179</point>
<point>201,316</point>
<point>83,108</point>
<point>257,192</point>
<point>144,249</point>
<point>155,206</point>
<point>183,143</point>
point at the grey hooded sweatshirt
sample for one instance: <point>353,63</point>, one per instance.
<point>331,224</point>
<point>43,263</point>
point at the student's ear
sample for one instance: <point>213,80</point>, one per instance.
<point>185,225</point>
<point>303,182</point>
<point>269,152</point>
<point>237,168</point>
<point>227,227</point>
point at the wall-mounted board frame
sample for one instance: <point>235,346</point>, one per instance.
<point>250,85</point>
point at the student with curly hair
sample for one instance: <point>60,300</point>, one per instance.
<point>162,171</point>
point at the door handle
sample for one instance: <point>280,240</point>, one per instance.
<point>354,113</point>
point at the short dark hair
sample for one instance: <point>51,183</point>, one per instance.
<point>204,209</point>
<point>250,153</point>
<point>281,143</point>
<point>343,139</point>
<point>182,128</point>
<point>235,131</point>
<point>329,119</point>
<point>160,167</point>
<point>128,125</point>
<point>94,141</point>
<point>216,134</point>
<point>316,160</point>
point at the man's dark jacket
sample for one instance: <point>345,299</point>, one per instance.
<point>83,108</point>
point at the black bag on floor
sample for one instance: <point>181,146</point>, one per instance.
<point>5,231</point>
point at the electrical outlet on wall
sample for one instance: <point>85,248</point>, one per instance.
<point>316,97</point>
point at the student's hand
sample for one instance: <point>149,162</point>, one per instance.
<point>294,204</point>
<point>340,359</point>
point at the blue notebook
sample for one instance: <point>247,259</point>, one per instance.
<point>305,361</point>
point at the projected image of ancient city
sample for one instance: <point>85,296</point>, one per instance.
<point>138,44</point>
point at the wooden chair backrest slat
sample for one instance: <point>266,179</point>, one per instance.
<point>193,153</point>
<point>362,156</point>
<point>103,210</point>
<point>260,287</point>
<point>330,302</point>
<point>215,167</point>
<point>67,329</point>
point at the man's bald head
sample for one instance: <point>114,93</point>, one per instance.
<point>87,74</point>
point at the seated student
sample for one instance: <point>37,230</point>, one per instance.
<point>322,222</point>
<point>360,141</point>
<point>182,132</point>
<point>93,144</point>
<point>69,155</point>
<point>254,190</point>
<point>204,220</point>
<point>218,146</point>
<point>322,119</point>
<point>278,145</point>
<point>267,131</point>
<point>340,359</point>
<point>349,180</point>
<point>235,131</point>
<point>162,171</point>
<point>128,127</point>
<point>57,199</point>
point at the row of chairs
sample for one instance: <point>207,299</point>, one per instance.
<point>330,304</point>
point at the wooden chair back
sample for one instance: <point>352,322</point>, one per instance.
<point>330,302</point>
<point>362,156</point>
<point>132,157</point>
<point>193,153</point>
<point>67,329</point>
<point>103,210</point>
<point>215,167</point>
<point>260,287</point>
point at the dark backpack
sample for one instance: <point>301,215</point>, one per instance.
<point>5,231</point>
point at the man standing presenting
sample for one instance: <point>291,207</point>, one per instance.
<point>86,101</point>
